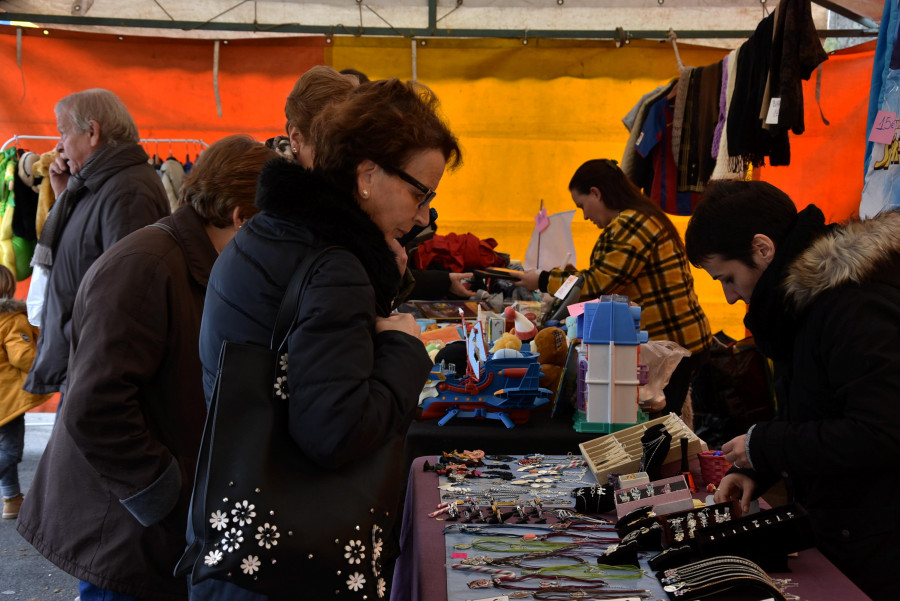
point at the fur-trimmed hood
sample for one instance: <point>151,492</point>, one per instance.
<point>11,305</point>
<point>289,191</point>
<point>849,254</point>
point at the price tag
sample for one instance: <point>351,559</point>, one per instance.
<point>564,289</point>
<point>774,109</point>
<point>883,127</point>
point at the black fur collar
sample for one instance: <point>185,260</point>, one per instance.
<point>291,192</point>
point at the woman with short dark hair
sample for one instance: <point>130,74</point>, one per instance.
<point>823,302</point>
<point>123,452</point>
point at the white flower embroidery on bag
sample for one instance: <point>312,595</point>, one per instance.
<point>281,387</point>
<point>354,552</point>
<point>243,512</point>
<point>250,564</point>
<point>377,545</point>
<point>282,363</point>
<point>268,535</point>
<point>213,558</point>
<point>232,540</point>
<point>356,581</point>
<point>381,588</point>
<point>376,549</point>
<point>219,520</point>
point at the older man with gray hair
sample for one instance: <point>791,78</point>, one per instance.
<point>105,189</point>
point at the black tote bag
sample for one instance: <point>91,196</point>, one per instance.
<point>265,518</point>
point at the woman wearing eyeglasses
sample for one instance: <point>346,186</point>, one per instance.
<point>639,254</point>
<point>353,370</point>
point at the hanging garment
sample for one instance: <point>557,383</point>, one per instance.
<point>881,190</point>
<point>172,174</point>
<point>746,137</point>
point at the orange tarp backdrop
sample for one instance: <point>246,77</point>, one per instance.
<point>527,115</point>
<point>167,84</point>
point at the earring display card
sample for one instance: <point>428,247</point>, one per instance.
<point>659,492</point>
<point>684,526</point>
<point>765,537</point>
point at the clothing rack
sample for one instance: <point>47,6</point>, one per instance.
<point>201,143</point>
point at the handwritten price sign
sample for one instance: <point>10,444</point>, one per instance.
<point>883,127</point>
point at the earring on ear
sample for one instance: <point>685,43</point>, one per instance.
<point>365,193</point>
<point>294,149</point>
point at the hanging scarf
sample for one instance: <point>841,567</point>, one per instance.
<point>62,209</point>
<point>769,316</point>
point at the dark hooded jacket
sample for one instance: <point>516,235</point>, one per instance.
<point>109,500</point>
<point>828,310</point>
<point>121,195</point>
<point>351,391</point>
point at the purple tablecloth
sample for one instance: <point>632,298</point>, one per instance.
<point>420,573</point>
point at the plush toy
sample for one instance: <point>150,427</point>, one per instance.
<point>552,347</point>
<point>507,340</point>
<point>46,197</point>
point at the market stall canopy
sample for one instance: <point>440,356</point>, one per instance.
<point>723,22</point>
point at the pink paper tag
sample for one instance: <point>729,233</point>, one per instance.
<point>883,127</point>
<point>541,221</point>
<point>459,555</point>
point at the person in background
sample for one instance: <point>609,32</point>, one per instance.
<point>317,88</point>
<point>105,189</point>
<point>110,496</point>
<point>823,302</point>
<point>354,370</point>
<point>17,341</point>
<point>639,254</point>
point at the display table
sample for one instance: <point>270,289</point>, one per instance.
<point>420,572</point>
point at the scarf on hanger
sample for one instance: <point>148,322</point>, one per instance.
<point>62,209</point>
<point>769,315</point>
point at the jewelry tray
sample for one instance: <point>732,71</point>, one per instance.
<point>765,537</point>
<point>684,526</point>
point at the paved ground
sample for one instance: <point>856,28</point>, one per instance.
<point>24,574</point>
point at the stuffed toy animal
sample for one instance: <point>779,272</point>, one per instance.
<point>507,340</point>
<point>46,197</point>
<point>552,348</point>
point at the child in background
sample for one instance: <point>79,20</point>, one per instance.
<point>17,344</point>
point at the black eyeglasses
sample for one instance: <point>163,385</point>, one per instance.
<point>428,192</point>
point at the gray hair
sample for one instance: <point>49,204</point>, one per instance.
<point>104,107</point>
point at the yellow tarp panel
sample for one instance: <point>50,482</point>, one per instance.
<point>527,116</point>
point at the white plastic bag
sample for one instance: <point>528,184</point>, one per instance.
<point>37,288</point>
<point>661,358</point>
<point>554,247</point>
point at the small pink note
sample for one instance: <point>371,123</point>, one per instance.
<point>541,221</point>
<point>459,555</point>
<point>883,127</point>
<point>577,309</point>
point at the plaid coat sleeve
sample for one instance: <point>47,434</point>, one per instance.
<point>636,257</point>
